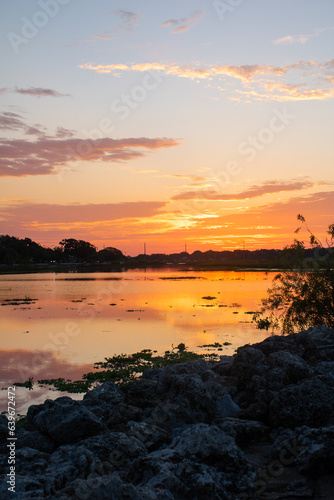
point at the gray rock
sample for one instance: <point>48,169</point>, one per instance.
<point>293,366</point>
<point>66,421</point>
<point>308,403</point>
<point>150,435</point>
<point>313,449</point>
<point>115,449</point>
<point>225,407</point>
<point>36,440</point>
<point>245,432</point>
<point>103,399</point>
<point>109,488</point>
<point>223,367</point>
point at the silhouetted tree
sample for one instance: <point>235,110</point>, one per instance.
<point>304,296</point>
<point>78,250</point>
<point>110,254</point>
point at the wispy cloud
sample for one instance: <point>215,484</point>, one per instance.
<point>49,155</point>
<point>104,37</point>
<point>304,80</point>
<point>184,23</point>
<point>14,122</point>
<point>289,39</point>
<point>50,214</point>
<point>268,187</point>
<point>129,20</point>
<point>40,92</point>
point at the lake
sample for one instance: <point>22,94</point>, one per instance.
<point>58,324</point>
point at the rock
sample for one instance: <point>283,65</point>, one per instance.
<point>103,399</point>
<point>223,367</point>
<point>66,464</point>
<point>293,367</point>
<point>142,394</point>
<point>308,403</point>
<point>191,395</point>
<point>65,421</point>
<point>225,407</point>
<point>36,440</point>
<point>202,462</point>
<point>121,414</point>
<point>115,449</point>
<point>150,435</point>
<point>196,430</point>
<point>248,362</point>
<point>313,449</point>
<point>245,432</point>
<point>105,488</point>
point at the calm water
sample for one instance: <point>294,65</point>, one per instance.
<point>77,319</point>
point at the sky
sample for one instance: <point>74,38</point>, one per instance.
<point>208,123</point>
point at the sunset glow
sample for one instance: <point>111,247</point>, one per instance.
<point>127,123</point>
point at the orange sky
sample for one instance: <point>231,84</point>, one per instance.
<point>167,124</point>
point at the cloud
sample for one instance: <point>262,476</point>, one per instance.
<point>288,40</point>
<point>129,20</point>
<point>62,132</point>
<point>183,24</point>
<point>304,80</point>
<point>104,37</point>
<point>40,92</point>
<point>49,155</point>
<point>13,122</point>
<point>51,215</point>
<point>268,187</point>
<point>194,178</point>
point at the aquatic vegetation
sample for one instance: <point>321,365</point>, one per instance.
<point>123,368</point>
<point>61,384</point>
<point>18,302</point>
<point>28,383</point>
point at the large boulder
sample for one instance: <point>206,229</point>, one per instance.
<point>201,462</point>
<point>312,449</point>
<point>64,420</point>
<point>311,403</point>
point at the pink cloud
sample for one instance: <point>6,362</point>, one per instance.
<point>40,92</point>
<point>253,192</point>
<point>43,213</point>
<point>183,24</point>
<point>48,155</point>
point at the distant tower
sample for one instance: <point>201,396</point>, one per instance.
<point>144,248</point>
<point>185,247</point>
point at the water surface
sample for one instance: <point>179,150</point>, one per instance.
<point>75,319</point>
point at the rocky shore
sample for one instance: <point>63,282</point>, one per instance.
<point>256,425</point>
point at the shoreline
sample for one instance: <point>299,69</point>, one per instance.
<point>259,424</point>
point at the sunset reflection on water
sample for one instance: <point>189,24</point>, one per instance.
<point>78,319</point>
